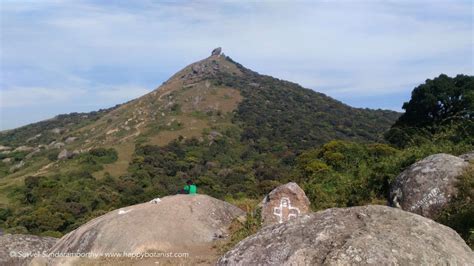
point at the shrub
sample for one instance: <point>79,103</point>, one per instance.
<point>459,214</point>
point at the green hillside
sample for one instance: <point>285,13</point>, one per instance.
<point>237,133</point>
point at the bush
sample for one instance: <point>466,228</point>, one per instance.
<point>103,155</point>
<point>241,229</point>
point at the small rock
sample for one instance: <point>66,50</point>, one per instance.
<point>4,148</point>
<point>112,131</point>
<point>284,203</point>
<point>56,145</point>
<point>155,201</point>
<point>17,166</point>
<point>31,154</point>
<point>57,130</point>
<point>254,84</point>
<point>34,137</point>
<point>213,135</point>
<point>70,140</point>
<point>64,154</point>
<point>7,160</point>
<point>210,165</point>
<point>24,148</point>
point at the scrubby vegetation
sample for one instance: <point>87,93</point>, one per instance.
<point>241,229</point>
<point>279,133</point>
<point>53,205</point>
<point>47,131</point>
<point>276,114</point>
<point>459,215</point>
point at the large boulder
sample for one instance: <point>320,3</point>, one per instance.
<point>179,223</point>
<point>376,235</point>
<point>21,249</point>
<point>284,203</point>
<point>428,185</point>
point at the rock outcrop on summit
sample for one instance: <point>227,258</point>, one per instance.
<point>216,51</point>
<point>428,185</point>
<point>376,235</point>
<point>284,203</point>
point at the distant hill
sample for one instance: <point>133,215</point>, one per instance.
<point>214,120</point>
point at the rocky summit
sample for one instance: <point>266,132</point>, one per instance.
<point>428,185</point>
<point>284,203</point>
<point>376,235</point>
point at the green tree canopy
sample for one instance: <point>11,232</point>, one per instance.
<point>435,105</point>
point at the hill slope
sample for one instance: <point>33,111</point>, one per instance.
<point>209,92</point>
<point>235,130</point>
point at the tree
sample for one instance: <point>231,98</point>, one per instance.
<point>435,105</point>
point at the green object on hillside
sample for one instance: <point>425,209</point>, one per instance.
<point>190,189</point>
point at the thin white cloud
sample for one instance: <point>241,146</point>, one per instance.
<point>123,93</point>
<point>37,96</point>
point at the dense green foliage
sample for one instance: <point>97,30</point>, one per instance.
<point>222,167</point>
<point>443,107</point>
<point>344,174</point>
<point>341,173</point>
<point>56,204</point>
<point>276,114</point>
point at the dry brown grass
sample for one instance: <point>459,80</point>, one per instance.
<point>191,127</point>
<point>125,151</point>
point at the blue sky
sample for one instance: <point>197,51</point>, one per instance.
<point>74,56</point>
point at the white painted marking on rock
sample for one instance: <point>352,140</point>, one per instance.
<point>285,203</point>
<point>123,211</point>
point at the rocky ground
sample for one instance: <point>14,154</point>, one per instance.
<point>14,249</point>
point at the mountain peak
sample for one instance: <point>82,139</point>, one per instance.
<point>206,68</point>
